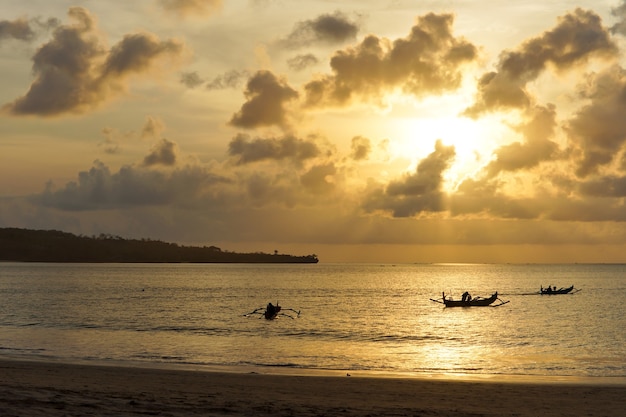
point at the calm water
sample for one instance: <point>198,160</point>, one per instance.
<point>354,317</point>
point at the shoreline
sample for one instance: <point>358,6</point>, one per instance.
<point>31,388</point>
<point>306,372</point>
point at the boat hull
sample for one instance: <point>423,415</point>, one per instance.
<point>481,302</point>
<point>556,292</point>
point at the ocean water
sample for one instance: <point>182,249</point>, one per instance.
<point>353,317</point>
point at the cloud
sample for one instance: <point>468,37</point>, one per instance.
<point>163,153</point>
<point>485,198</point>
<point>266,96</point>
<point>74,72</point>
<point>301,62</point>
<point>113,138</point>
<point>361,148</point>
<point>137,53</point>
<point>317,179</point>
<point>25,29</point>
<point>153,128</point>
<point>16,29</point>
<point>327,28</point>
<point>619,12</point>
<point>191,79</point>
<point>597,131</point>
<point>418,192</point>
<point>536,148</point>
<point>427,61</point>
<point>100,189</point>
<point>577,37</point>
<point>187,8</point>
<point>246,151</point>
<point>230,79</point>
<point>609,186</point>
<point>111,144</point>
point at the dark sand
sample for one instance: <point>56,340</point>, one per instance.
<point>54,389</point>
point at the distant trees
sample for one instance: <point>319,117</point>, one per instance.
<point>54,246</point>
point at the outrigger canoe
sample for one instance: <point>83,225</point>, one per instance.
<point>474,302</point>
<point>554,291</point>
<point>272,311</point>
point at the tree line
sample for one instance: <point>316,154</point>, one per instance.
<point>26,245</point>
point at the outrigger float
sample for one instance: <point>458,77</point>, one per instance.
<point>271,312</point>
<point>468,301</point>
<point>553,291</point>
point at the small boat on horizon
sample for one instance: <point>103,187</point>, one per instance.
<point>553,291</point>
<point>467,301</point>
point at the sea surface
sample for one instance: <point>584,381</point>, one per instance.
<point>370,318</point>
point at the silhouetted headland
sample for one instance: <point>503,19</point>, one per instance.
<point>25,245</point>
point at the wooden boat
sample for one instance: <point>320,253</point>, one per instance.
<point>272,311</point>
<point>473,302</point>
<point>554,291</point>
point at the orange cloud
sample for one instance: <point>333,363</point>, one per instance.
<point>418,192</point>
<point>577,37</point>
<point>427,61</point>
<point>266,96</point>
<point>598,130</point>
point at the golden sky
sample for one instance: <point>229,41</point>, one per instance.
<point>361,131</point>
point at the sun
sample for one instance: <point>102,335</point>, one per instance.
<point>474,142</point>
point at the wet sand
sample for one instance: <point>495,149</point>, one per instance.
<point>54,389</point>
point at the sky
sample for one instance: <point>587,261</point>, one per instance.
<point>359,131</point>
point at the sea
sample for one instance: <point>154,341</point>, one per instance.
<point>354,319</point>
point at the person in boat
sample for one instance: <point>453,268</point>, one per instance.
<point>270,310</point>
<point>466,296</point>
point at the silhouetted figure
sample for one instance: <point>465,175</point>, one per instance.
<point>270,310</point>
<point>466,296</point>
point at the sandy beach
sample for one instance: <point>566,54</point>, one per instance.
<point>54,389</point>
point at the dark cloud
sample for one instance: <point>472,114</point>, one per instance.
<point>163,153</point>
<point>266,96</point>
<point>609,186</point>
<point>16,29</point>
<point>25,29</point>
<point>100,189</point>
<point>620,13</point>
<point>191,79</point>
<point>301,62</point>
<point>427,61</point>
<point>245,151</point>
<point>230,79</point>
<point>536,147</point>
<point>75,72</point>
<point>327,28</point>
<point>186,8</point>
<point>361,148</point>
<point>136,53</point>
<point>418,192</point>
<point>317,179</point>
<point>576,37</point>
<point>597,131</point>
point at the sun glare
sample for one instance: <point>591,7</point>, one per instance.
<point>473,141</point>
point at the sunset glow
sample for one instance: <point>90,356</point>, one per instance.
<point>334,129</point>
